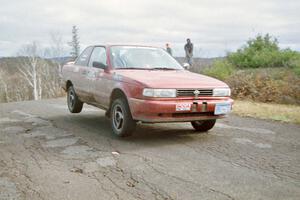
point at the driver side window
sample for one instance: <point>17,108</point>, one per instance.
<point>98,55</point>
<point>83,59</point>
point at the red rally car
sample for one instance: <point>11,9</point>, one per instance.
<point>146,84</point>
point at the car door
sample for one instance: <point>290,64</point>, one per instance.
<point>81,74</point>
<point>97,75</point>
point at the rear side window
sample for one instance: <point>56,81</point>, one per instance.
<point>98,55</point>
<point>83,59</point>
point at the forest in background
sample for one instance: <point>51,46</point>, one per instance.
<point>34,73</point>
<point>258,71</point>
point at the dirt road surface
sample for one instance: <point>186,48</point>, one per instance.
<point>48,153</point>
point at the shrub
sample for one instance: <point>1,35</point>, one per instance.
<point>262,51</point>
<point>261,71</point>
<point>220,70</point>
<point>297,70</point>
<point>296,65</point>
<point>279,85</point>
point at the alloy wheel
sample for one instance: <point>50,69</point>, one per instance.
<point>118,117</point>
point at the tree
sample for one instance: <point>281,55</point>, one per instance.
<point>75,43</point>
<point>32,75</point>
<point>56,50</point>
<point>262,51</point>
<point>4,86</point>
<point>31,68</point>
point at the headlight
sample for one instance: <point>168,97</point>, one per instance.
<point>221,92</point>
<point>149,92</point>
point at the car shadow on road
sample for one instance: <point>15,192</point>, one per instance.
<point>99,126</point>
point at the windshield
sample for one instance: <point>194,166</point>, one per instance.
<point>128,57</point>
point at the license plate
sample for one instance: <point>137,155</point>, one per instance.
<point>183,107</point>
<point>222,108</point>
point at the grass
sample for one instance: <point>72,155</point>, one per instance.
<point>220,70</point>
<point>278,112</point>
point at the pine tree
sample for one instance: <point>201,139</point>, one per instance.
<point>75,43</point>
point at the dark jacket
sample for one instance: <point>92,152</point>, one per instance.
<point>189,47</point>
<point>169,50</point>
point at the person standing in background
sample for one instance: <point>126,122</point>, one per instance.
<point>168,49</point>
<point>188,48</point>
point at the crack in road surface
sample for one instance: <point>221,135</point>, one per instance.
<point>47,153</point>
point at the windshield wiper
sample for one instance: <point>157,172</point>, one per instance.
<point>153,68</point>
<point>131,68</point>
<point>162,68</point>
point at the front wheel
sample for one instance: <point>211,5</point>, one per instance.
<point>203,126</point>
<point>121,120</point>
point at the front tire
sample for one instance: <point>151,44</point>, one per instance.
<point>203,126</point>
<point>121,120</point>
<point>74,104</point>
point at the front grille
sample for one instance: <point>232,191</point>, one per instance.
<point>190,92</point>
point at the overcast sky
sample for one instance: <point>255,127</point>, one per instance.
<point>214,26</point>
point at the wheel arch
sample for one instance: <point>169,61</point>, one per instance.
<point>68,84</point>
<point>116,93</point>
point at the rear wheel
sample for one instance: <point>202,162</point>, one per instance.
<point>121,120</point>
<point>202,126</point>
<point>74,104</point>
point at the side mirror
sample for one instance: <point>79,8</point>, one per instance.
<point>99,65</point>
<point>186,66</point>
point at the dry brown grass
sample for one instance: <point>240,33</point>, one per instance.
<point>274,85</point>
<point>278,112</point>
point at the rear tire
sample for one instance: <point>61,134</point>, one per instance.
<point>120,117</point>
<point>74,104</point>
<point>203,126</point>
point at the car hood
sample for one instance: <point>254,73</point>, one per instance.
<point>169,79</point>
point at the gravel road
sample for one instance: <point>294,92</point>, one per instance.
<point>48,153</point>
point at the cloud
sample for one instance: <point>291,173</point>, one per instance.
<point>215,26</point>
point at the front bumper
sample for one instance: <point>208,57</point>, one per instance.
<point>154,111</point>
